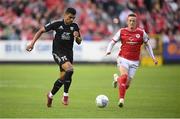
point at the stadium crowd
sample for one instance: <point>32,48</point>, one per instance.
<point>98,19</point>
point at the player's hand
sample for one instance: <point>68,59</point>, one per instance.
<point>29,47</point>
<point>76,34</point>
<point>155,61</point>
<point>77,38</point>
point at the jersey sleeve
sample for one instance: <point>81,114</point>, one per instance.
<point>116,37</point>
<point>51,26</point>
<point>145,37</point>
<point>76,28</point>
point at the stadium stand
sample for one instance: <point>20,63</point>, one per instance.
<point>19,19</point>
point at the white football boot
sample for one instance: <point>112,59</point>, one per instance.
<point>121,102</point>
<point>115,78</point>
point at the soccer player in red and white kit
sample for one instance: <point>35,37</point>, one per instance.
<point>131,38</point>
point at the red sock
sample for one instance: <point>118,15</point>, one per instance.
<point>122,85</point>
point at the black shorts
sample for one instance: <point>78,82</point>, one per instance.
<point>60,59</point>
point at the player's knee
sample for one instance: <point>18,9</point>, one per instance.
<point>67,66</point>
<point>125,76</point>
<point>69,69</point>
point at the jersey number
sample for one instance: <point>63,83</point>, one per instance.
<point>63,58</point>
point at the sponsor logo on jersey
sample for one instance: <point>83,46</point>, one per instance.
<point>65,36</point>
<point>131,42</point>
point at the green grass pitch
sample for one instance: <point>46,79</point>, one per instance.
<point>154,93</point>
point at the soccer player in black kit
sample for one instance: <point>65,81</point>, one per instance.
<point>66,33</point>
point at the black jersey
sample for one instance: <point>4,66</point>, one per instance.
<point>64,39</point>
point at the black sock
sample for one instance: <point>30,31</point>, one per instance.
<point>57,86</point>
<point>67,80</point>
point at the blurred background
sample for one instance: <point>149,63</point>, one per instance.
<point>98,20</point>
<point>155,92</point>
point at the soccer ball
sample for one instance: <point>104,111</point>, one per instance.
<point>102,101</point>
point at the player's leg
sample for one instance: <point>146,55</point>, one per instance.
<point>123,66</point>
<point>57,85</point>
<point>120,62</point>
<point>125,82</point>
<point>132,70</point>
<point>122,80</point>
<point>116,76</point>
<point>115,79</point>
<point>68,67</point>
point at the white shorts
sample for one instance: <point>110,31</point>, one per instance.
<point>130,65</point>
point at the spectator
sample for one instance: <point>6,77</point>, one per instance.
<point>92,15</point>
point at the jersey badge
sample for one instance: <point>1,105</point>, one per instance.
<point>137,35</point>
<point>71,28</point>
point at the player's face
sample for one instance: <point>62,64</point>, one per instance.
<point>69,18</point>
<point>132,22</point>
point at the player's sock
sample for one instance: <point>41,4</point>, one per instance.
<point>122,85</point>
<point>67,80</point>
<point>49,99</point>
<point>50,95</point>
<point>57,86</point>
<point>65,94</point>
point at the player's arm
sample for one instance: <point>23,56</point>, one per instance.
<point>110,46</point>
<point>149,48</point>
<point>114,40</point>
<point>150,51</point>
<point>77,37</point>
<point>35,38</point>
<point>50,26</point>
